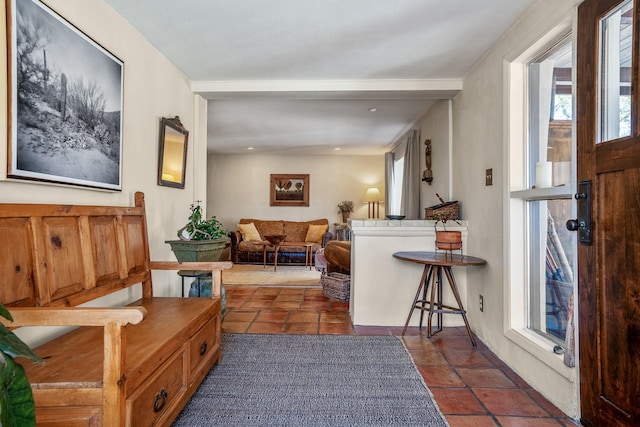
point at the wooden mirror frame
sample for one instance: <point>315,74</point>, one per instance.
<point>282,195</point>
<point>172,158</point>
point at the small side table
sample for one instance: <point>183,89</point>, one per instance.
<point>434,264</point>
<point>342,231</point>
<point>197,274</point>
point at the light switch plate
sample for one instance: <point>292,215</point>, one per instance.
<point>488,177</point>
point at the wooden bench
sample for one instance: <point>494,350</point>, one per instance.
<point>126,366</point>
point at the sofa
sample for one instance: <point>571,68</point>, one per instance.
<point>247,243</point>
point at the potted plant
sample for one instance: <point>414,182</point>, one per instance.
<point>17,407</point>
<point>345,208</point>
<point>447,240</point>
<point>200,239</point>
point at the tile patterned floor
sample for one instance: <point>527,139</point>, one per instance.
<point>471,386</point>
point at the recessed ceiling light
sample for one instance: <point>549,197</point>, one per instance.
<point>337,149</point>
<point>249,148</point>
<point>373,109</point>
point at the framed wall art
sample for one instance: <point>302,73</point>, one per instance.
<point>172,158</point>
<point>65,103</point>
<point>289,190</point>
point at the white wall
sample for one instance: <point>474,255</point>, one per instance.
<point>479,135</point>
<point>435,126</point>
<point>382,287</point>
<point>153,88</point>
<point>238,185</point>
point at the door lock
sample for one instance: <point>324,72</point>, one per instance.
<point>583,223</point>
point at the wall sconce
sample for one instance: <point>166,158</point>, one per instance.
<point>373,197</point>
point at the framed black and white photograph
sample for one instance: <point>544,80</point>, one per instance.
<point>65,104</point>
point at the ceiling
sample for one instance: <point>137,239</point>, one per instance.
<point>300,76</point>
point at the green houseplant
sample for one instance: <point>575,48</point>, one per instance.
<point>200,239</point>
<point>17,407</point>
<point>345,208</point>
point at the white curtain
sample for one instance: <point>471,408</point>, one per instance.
<point>411,177</point>
<point>388,182</point>
<point>408,193</point>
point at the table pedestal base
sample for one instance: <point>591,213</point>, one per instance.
<point>197,274</point>
<point>432,279</point>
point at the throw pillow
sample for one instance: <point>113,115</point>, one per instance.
<point>249,231</point>
<point>315,232</point>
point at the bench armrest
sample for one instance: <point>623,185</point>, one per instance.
<point>197,265</point>
<point>113,322</point>
<point>74,316</point>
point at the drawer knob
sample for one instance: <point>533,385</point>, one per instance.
<point>161,400</point>
<point>203,348</point>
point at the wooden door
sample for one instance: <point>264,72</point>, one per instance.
<point>609,157</point>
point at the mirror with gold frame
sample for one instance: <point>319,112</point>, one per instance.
<point>172,160</point>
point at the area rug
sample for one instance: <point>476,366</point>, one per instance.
<point>312,380</point>
<point>285,275</point>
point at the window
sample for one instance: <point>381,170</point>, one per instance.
<point>616,30</point>
<point>394,170</point>
<point>540,207</point>
<point>396,195</point>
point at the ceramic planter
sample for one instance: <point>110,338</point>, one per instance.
<point>202,289</point>
<point>449,240</point>
<point>198,250</point>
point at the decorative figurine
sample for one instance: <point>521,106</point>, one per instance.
<point>427,175</point>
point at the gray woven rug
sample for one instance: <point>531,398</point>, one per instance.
<point>312,380</point>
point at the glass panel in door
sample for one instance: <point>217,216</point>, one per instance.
<point>616,30</point>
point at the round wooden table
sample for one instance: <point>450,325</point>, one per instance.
<point>434,264</point>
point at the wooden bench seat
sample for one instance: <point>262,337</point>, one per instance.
<point>133,365</point>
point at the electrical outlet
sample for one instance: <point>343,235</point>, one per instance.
<point>481,303</point>
<point>488,177</point>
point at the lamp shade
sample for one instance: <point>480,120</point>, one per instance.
<point>372,195</point>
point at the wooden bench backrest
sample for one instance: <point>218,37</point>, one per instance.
<point>66,255</point>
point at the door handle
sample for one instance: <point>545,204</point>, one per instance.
<point>575,225</point>
<point>583,223</point>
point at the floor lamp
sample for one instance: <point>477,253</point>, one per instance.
<point>373,197</point>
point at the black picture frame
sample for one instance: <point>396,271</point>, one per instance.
<point>65,102</point>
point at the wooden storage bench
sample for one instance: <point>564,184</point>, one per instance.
<point>127,366</point>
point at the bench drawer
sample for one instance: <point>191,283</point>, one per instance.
<point>203,345</point>
<point>159,393</point>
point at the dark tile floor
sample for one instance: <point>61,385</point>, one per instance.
<point>471,386</point>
